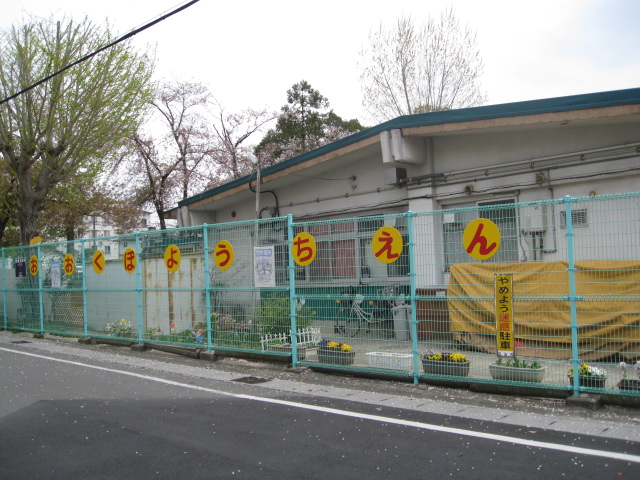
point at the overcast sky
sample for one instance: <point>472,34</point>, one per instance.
<point>250,52</point>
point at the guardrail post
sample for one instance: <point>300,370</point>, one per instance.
<point>292,294</point>
<point>4,290</point>
<point>40,291</point>
<point>572,297</point>
<point>85,326</point>
<point>139,287</point>
<point>207,283</point>
<point>413,323</point>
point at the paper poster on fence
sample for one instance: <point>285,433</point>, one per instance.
<point>264,261</point>
<point>55,274</point>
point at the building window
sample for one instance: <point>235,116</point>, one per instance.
<point>344,252</point>
<point>578,218</point>
<point>107,249</point>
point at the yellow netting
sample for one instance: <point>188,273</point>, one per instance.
<point>608,316</point>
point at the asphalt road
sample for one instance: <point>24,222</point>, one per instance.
<point>67,416</point>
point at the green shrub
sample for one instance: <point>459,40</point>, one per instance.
<point>274,314</point>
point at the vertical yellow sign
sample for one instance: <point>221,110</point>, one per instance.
<point>129,260</point>
<point>69,264</point>
<point>504,314</point>
<point>172,258</point>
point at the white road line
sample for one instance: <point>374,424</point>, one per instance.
<point>376,418</point>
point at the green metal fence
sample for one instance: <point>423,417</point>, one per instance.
<point>410,294</point>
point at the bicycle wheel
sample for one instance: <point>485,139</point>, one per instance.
<point>347,322</point>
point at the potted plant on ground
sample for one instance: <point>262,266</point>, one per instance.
<point>445,363</point>
<point>629,383</point>
<point>589,376</point>
<point>335,353</point>
<point>517,370</point>
<point>288,348</point>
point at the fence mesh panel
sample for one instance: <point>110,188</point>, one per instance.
<point>412,294</point>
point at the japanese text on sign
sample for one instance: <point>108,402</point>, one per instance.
<point>98,262</point>
<point>504,314</point>
<point>303,249</point>
<point>129,260</point>
<point>264,266</point>
<point>172,258</point>
<point>387,244</point>
<point>33,265</point>
<point>481,239</point>
<point>69,264</point>
<point>21,267</point>
<point>223,255</point>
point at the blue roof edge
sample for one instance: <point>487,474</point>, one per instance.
<point>502,110</point>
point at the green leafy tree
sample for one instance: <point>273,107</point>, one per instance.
<point>76,122</point>
<point>417,69</point>
<point>304,124</point>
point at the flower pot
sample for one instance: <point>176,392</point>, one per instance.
<point>336,357</point>
<point>590,382</point>
<point>629,384</point>
<point>439,367</point>
<point>515,374</point>
<point>302,350</point>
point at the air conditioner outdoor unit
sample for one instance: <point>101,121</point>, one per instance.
<point>534,220</point>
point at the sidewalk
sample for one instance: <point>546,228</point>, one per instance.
<point>530,412</point>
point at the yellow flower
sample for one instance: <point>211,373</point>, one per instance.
<point>346,348</point>
<point>122,320</point>
<point>333,344</point>
<point>458,357</point>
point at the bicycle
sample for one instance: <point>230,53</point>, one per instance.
<point>350,319</point>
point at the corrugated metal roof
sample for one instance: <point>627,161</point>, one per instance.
<point>531,107</point>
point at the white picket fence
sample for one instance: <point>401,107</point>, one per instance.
<point>308,337</point>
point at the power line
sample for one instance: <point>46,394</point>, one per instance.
<point>102,49</point>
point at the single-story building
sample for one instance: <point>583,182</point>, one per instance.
<point>577,145</point>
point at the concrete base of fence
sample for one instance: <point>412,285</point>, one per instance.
<point>585,400</point>
<point>138,347</point>
<point>519,390</point>
<point>185,351</point>
<point>114,341</point>
<point>87,341</point>
<point>209,356</point>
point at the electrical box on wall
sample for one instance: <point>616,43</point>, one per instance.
<point>534,219</point>
<point>395,176</point>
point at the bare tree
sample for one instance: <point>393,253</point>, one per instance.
<point>154,176</point>
<point>171,156</point>
<point>406,70</point>
<point>232,130</point>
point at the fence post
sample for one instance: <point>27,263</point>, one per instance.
<point>572,297</point>
<point>412,297</point>
<point>4,290</point>
<point>292,295</point>
<point>207,284</point>
<point>139,286</point>
<point>40,291</point>
<point>85,326</point>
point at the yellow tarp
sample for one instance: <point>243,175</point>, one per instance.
<point>608,314</point>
